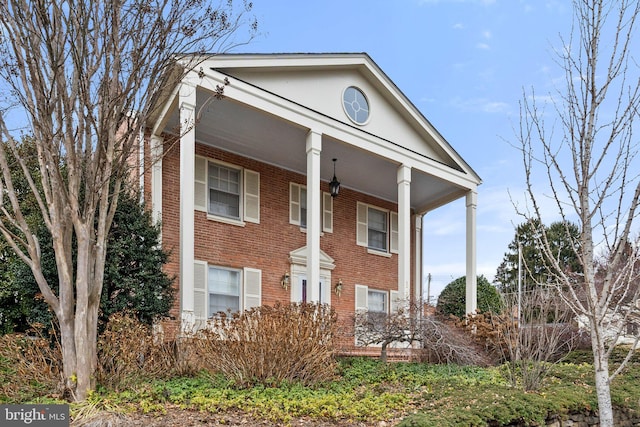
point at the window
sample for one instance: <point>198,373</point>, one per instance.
<point>377,301</point>
<point>355,105</point>
<point>298,207</point>
<point>217,289</point>
<point>226,192</point>
<point>223,290</point>
<point>377,229</point>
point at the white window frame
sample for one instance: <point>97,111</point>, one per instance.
<point>297,198</point>
<point>209,293</point>
<point>249,197</point>
<point>362,229</point>
<point>362,302</point>
<point>250,288</point>
<point>391,300</point>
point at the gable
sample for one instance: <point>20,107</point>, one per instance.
<point>320,88</point>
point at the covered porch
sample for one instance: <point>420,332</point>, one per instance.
<point>297,135</point>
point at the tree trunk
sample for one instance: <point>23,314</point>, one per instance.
<point>383,352</point>
<point>86,316</point>
<point>68,345</point>
<point>603,386</point>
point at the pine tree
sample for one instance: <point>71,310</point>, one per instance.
<point>562,237</point>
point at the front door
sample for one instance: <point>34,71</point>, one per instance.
<point>302,291</point>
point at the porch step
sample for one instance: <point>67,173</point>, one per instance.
<point>393,354</point>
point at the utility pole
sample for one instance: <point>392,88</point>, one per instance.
<point>429,288</point>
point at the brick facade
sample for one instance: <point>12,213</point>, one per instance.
<point>266,246</point>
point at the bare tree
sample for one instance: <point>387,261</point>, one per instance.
<point>401,326</point>
<point>591,167</point>
<point>85,75</point>
<point>406,325</point>
<point>536,337</point>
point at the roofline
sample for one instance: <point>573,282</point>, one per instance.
<point>344,59</point>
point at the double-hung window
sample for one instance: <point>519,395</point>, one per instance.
<point>376,300</point>
<point>226,192</point>
<point>377,229</point>
<point>223,289</point>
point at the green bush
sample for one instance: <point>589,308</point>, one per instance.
<point>452,298</point>
<point>133,278</point>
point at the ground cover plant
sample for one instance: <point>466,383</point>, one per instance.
<point>361,392</point>
<point>367,391</point>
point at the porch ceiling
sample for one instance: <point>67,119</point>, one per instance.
<point>256,134</point>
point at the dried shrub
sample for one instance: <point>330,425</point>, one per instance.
<point>485,329</point>
<point>272,345</point>
<point>447,344</point>
<point>128,352</point>
<point>30,366</point>
<point>531,342</point>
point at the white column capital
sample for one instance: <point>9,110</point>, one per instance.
<point>472,198</point>
<point>187,96</point>
<point>404,174</point>
<point>314,141</point>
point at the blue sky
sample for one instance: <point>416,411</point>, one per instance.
<point>464,64</point>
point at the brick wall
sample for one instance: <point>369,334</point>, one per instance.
<point>266,246</point>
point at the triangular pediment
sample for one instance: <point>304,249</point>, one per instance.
<point>299,257</point>
<point>318,82</point>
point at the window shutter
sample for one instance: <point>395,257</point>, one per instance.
<point>362,297</point>
<point>251,196</point>
<point>252,288</point>
<point>394,301</point>
<point>394,233</point>
<point>294,203</point>
<point>200,184</point>
<point>362,238</point>
<point>200,290</point>
<point>327,212</point>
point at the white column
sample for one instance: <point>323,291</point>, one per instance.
<point>404,231</point>
<point>314,147</point>
<point>418,279</point>
<point>472,286</point>
<point>156,177</point>
<point>187,103</point>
